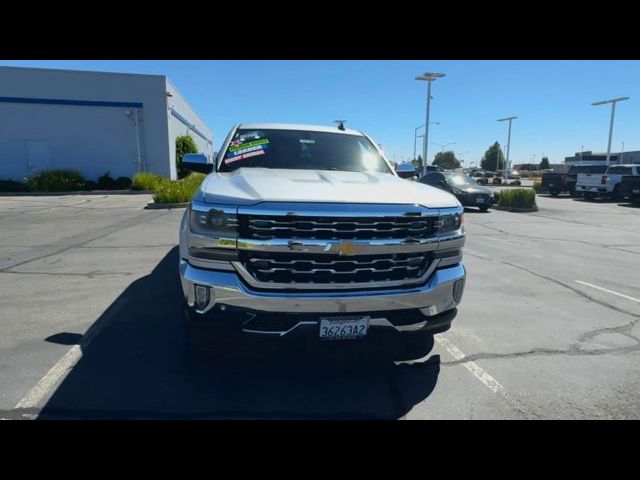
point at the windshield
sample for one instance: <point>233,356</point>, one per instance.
<point>619,170</point>
<point>459,180</point>
<point>587,169</point>
<point>300,149</point>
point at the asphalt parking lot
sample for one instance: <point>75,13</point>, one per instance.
<point>90,316</point>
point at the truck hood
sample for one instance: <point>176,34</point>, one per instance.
<point>253,185</point>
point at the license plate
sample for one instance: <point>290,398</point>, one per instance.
<point>479,200</point>
<point>636,190</point>
<point>343,328</point>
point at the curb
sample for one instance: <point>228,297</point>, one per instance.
<point>165,206</point>
<point>516,209</point>
<point>77,192</point>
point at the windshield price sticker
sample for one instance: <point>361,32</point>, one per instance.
<point>235,153</point>
<point>239,146</point>
<point>243,156</point>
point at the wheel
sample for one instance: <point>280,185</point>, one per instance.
<point>484,208</point>
<point>589,195</point>
<point>635,199</point>
<point>572,192</point>
<point>554,193</point>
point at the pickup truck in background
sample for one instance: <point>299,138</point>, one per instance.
<point>307,231</point>
<point>630,188</point>
<point>558,182</point>
<point>592,185</point>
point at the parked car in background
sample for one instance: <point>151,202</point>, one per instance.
<point>557,182</point>
<point>630,188</point>
<point>468,192</point>
<point>592,185</point>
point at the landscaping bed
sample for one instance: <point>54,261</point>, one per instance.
<point>517,200</point>
<point>171,193</point>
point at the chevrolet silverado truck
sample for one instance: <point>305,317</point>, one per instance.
<point>558,182</point>
<point>307,231</point>
<point>607,185</point>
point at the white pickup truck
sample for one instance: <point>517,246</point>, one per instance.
<point>605,183</point>
<point>307,231</point>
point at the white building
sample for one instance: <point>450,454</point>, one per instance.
<point>601,157</point>
<point>93,122</point>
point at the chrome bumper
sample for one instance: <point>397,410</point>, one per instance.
<point>226,288</point>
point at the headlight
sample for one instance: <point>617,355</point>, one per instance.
<point>450,223</point>
<point>457,191</point>
<point>217,222</point>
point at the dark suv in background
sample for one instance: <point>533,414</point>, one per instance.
<point>468,192</point>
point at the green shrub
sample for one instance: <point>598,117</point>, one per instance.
<point>496,196</point>
<point>537,186</point>
<point>13,186</point>
<point>123,183</point>
<point>179,191</point>
<point>90,185</point>
<point>60,180</point>
<point>184,144</point>
<point>147,181</point>
<point>105,182</point>
<point>518,198</point>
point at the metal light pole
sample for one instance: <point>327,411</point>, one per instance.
<point>428,77</point>
<point>506,163</point>
<point>613,102</point>
<point>621,154</point>
<point>416,136</point>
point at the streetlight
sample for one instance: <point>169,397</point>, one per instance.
<point>613,102</point>
<point>428,77</point>
<point>416,136</point>
<point>506,163</point>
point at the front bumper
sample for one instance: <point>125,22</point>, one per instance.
<point>228,292</point>
<point>470,201</point>
<point>583,188</point>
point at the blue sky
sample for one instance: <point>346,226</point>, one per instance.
<point>551,98</point>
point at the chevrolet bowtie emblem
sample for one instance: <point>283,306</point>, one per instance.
<point>347,248</point>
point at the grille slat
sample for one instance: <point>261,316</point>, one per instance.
<point>267,227</point>
<point>319,268</point>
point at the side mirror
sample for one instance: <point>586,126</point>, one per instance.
<point>197,162</point>
<point>441,184</point>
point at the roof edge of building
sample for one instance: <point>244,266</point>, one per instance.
<point>98,72</point>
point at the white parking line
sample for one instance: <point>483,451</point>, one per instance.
<point>475,369</point>
<point>633,299</point>
<point>35,397</point>
<point>46,384</point>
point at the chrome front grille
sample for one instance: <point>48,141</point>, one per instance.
<point>265,227</point>
<point>303,268</point>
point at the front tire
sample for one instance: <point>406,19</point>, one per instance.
<point>484,208</point>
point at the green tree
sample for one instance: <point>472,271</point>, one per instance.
<point>544,163</point>
<point>184,144</point>
<point>446,160</point>
<point>417,162</point>
<point>491,156</point>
